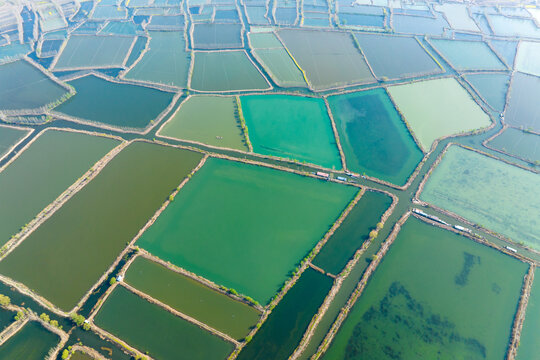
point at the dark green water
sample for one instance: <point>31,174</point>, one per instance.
<point>120,105</point>
<point>373,136</point>
<point>492,87</point>
<point>42,172</point>
<point>156,331</point>
<point>77,355</point>
<point>353,232</point>
<point>435,295</point>
<point>32,342</point>
<point>80,241</point>
<point>23,86</point>
<point>530,334</point>
<point>6,318</point>
<point>282,331</point>
<point>192,298</point>
<point>245,227</point>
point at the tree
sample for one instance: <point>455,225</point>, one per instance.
<point>380,225</point>
<point>4,300</point>
<point>19,315</point>
<point>112,281</point>
<point>373,234</point>
<point>45,317</point>
<point>54,323</point>
<point>86,326</point>
<point>65,354</point>
<point>77,319</point>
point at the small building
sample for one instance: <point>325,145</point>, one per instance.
<point>322,174</point>
<point>341,178</point>
<point>120,278</point>
<point>511,249</point>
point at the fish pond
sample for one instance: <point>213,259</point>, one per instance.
<point>54,161</point>
<point>211,120</point>
<point>437,108</point>
<point>373,136</point>
<point>32,342</point>
<point>329,59</point>
<point>211,36</point>
<point>488,192</point>
<point>225,71</point>
<point>23,86</point>
<point>192,298</point>
<point>353,232</point>
<point>285,326</point>
<point>291,127</point>
<point>491,87</point>
<point>157,332</point>
<point>413,306</point>
<point>396,56</point>
<point>530,333</point>
<point>77,355</point>
<point>120,105</point>
<point>165,62</point>
<point>94,51</point>
<point>97,222</point>
<point>528,56</point>
<point>468,55</point>
<point>520,144</point>
<point>522,109</point>
<point>9,137</point>
<point>244,226</point>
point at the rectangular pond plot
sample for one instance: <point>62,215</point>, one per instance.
<point>362,20</point>
<point>9,137</point>
<point>517,143</point>
<point>435,295</point>
<point>374,138</point>
<point>468,55</point>
<point>120,105</point>
<point>261,224</point>
<point>14,51</point>
<point>280,67</point>
<point>491,87</point>
<point>488,192</point>
<point>291,127</point>
<point>257,15</point>
<point>522,108</point>
<point>353,232</point>
<point>155,331</point>
<point>227,16</point>
<point>210,36</point>
<point>513,27</point>
<point>329,59</point>
<point>530,333</point>
<point>285,15</point>
<point>419,25</point>
<point>108,12</point>
<point>437,108</point>
<point>166,22</point>
<point>284,328</point>
<point>32,342</point>
<point>225,71</point>
<point>506,49</point>
<point>192,298</point>
<point>457,16</point>
<point>394,57</point>
<point>97,222</point>
<point>122,28</point>
<point>528,58</point>
<point>42,172</point>
<point>264,40</point>
<point>166,61</point>
<point>211,120</point>
<point>94,51</point>
<point>50,48</point>
<point>24,86</point>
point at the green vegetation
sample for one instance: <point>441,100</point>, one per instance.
<point>292,127</point>
<point>437,108</point>
<point>192,298</point>
<point>212,120</point>
<point>121,105</point>
<point>410,306</point>
<point>488,192</point>
<point>24,86</point>
<point>120,200</point>
<point>156,331</point>
<point>374,138</point>
<point>274,217</point>
<point>42,172</point>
